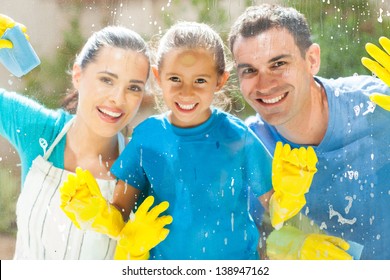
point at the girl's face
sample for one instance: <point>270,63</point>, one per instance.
<point>110,89</point>
<point>188,79</point>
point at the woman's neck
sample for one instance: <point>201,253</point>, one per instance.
<point>88,150</point>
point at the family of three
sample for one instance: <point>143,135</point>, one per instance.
<point>89,195</point>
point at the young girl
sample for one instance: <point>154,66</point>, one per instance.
<point>201,160</point>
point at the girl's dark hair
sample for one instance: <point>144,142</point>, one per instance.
<point>192,35</point>
<point>112,36</point>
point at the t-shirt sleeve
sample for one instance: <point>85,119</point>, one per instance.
<point>258,165</point>
<point>128,167</point>
<point>28,125</point>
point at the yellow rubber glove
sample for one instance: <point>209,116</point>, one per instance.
<point>380,67</point>
<point>83,203</point>
<point>143,231</point>
<point>289,243</point>
<point>5,23</point>
<point>292,174</point>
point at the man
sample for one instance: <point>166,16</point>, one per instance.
<point>350,194</point>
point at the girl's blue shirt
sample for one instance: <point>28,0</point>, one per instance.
<point>207,174</point>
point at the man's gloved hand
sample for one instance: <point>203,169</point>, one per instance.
<point>380,66</point>
<point>143,231</point>
<point>292,174</point>
<point>83,203</point>
<point>5,23</point>
<point>289,243</point>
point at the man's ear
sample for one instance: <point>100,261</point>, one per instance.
<point>222,80</point>
<point>313,56</point>
<point>156,74</point>
<point>76,74</point>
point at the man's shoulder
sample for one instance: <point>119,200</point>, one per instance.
<point>353,83</point>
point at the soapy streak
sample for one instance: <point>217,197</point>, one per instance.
<point>340,219</point>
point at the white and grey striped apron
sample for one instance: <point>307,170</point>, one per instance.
<point>44,231</point>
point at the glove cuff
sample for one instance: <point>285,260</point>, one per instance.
<point>285,243</point>
<point>109,221</point>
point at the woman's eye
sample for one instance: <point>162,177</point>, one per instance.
<point>106,80</point>
<point>135,88</point>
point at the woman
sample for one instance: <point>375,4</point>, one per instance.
<point>109,76</point>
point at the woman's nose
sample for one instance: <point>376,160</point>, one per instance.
<point>117,95</point>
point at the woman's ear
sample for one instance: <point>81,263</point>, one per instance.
<point>76,74</point>
<point>222,80</point>
<point>156,74</point>
<point>313,56</point>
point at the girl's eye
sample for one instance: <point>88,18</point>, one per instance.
<point>174,79</point>
<point>200,81</point>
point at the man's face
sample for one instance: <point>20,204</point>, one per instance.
<point>274,78</point>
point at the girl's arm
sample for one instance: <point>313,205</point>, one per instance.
<point>125,197</point>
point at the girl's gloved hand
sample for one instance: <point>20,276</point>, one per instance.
<point>143,231</point>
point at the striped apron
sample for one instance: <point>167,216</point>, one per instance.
<point>44,231</point>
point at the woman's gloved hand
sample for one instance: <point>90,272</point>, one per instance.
<point>5,23</point>
<point>380,66</point>
<point>83,203</point>
<point>143,231</point>
<point>292,174</point>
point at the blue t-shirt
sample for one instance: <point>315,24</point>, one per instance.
<point>350,193</point>
<point>206,174</point>
<point>31,128</point>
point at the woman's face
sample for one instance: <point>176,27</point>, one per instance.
<point>110,89</point>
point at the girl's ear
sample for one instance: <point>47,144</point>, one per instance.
<point>76,74</point>
<point>156,74</point>
<point>222,80</point>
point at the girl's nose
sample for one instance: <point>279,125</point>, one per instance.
<point>186,90</point>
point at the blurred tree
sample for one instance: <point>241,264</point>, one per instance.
<point>342,28</point>
<point>49,82</point>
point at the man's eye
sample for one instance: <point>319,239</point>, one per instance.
<point>248,71</point>
<point>278,64</point>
